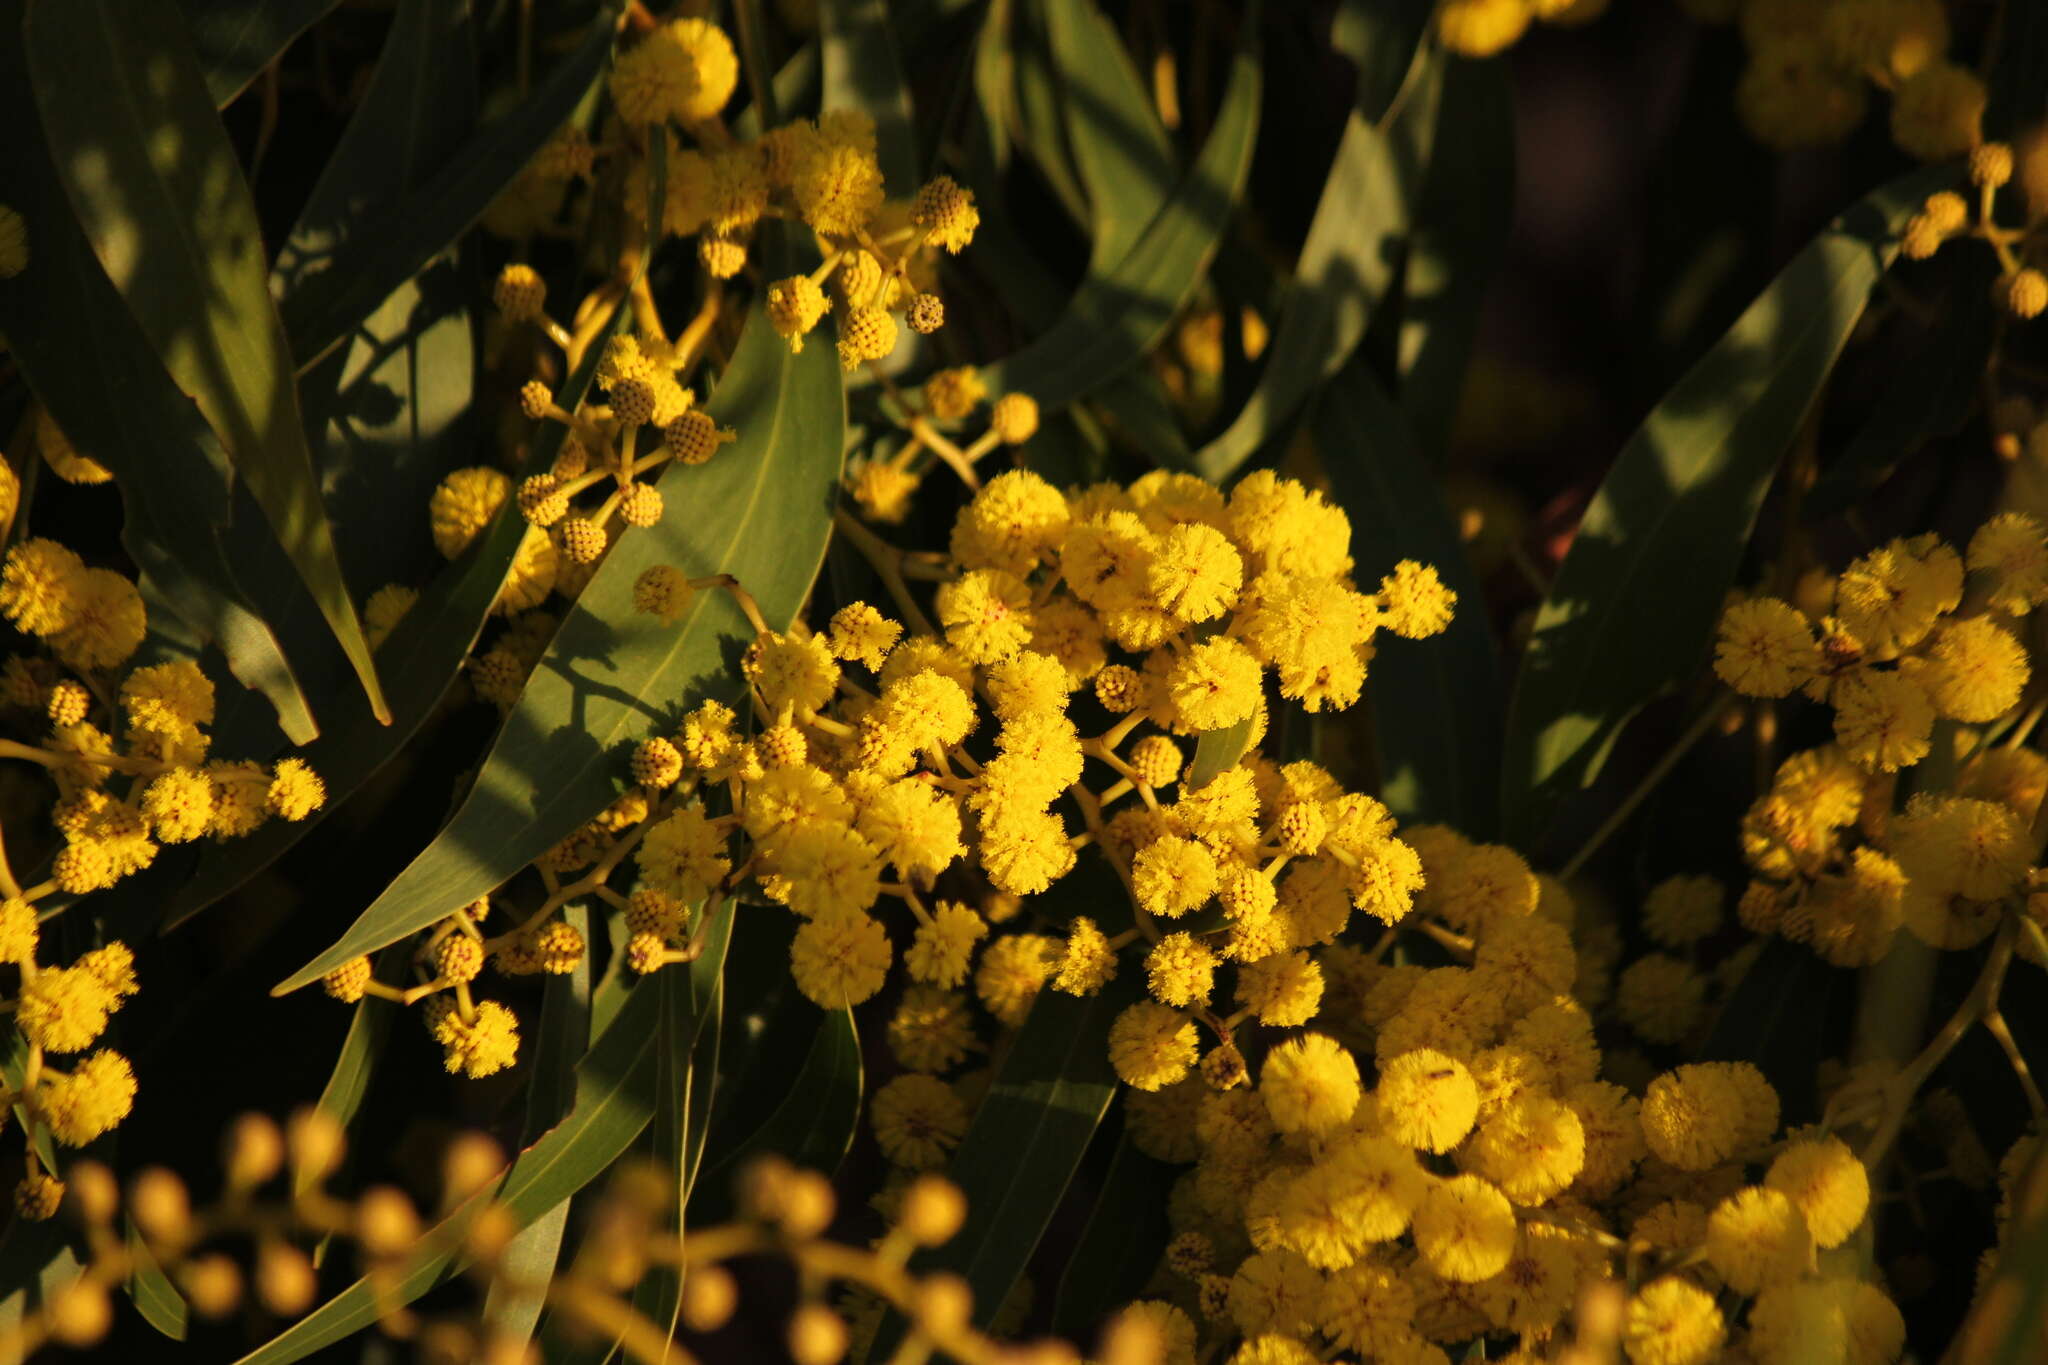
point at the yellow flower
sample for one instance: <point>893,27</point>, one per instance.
<point>917,1121</point>
<point>931,1030</point>
<point>1465,1229</point>
<point>1151,1046</point>
<point>986,614</point>
<point>1427,1100</point>
<point>63,1009</point>
<point>1757,1236</point>
<point>1682,910</point>
<point>1013,970</point>
<point>1172,876</point>
<point>682,855</point>
<point>2012,549</point>
<point>1016,521</point>
<point>1087,963</point>
<point>946,212</point>
<point>1309,1084</point>
<point>1284,990</point>
<point>840,958</point>
<point>1883,720</point>
<point>795,306</point>
<point>1765,648</point>
<point>94,1098</point>
<point>1531,1147</point>
<point>1414,603</point>
<point>837,187</point>
<point>1672,1321</point>
<point>860,634</point>
<point>1195,573</point>
<point>1660,997</point>
<point>1938,111</point>
<point>1830,1186</point>
<point>108,626</point>
<point>482,1045</point>
<point>1180,971</point>
<point>1367,1308</point>
<point>42,586</point>
<point>941,949</point>
<point>684,70</point>
<point>463,505</point>
<point>296,791</point>
<point>1692,1117</point>
<point>1974,671</point>
<point>1213,686</point>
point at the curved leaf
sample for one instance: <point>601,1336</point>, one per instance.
<point>91,365</point>
<point>423,652</point>
<point>1216,750</point>
<point>615,1099</point>
<point>236,39</point>
<point>153,1294</point>
<point>145,162</point>
<point>1461,227</point>
<point>1634,602</point>
<point>1121,152</point>
<point>1346,267</point>
<point>1118,314</point>
<point>1120,1244</point>
<point>1381,38</point>
<point>1436,703</point>
<point>1048,1097</point>
<point>815,1124</point>
<point>390,245</point>
<point>862,71</point>
<point>760,511</point>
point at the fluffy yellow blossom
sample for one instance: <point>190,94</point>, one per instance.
<point>684,70</point>
<point>1756,1237</point>
<point>840,958</point>
<point>485,1043</point>
<point>917,1121</point>
<point>1465,1229</point>
<point>1692,1117</point>
<point>1829,1185</point>
<point>1414,603</point>
<point>2011,549</point>
<point>1427,1100</point>
<point>1151,1046</point>
<point>1765,648</point>
<point>1974,670</point>
<point>1883,720</point>
<point>1309,1084</point>
<point>1672,1321</point>
<point>465,503</point>
<point>92,1100</point>
<point>63,1009</point>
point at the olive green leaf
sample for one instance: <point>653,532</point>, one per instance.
<point>1436,703</point>
<point>90,364</point>
<point>615,1099</point>
<point>1118,313</point>
<point>1347,266</point>
<point>760,511</point>
<point>1120,150</point>
<point>1048,1097</point>
<point>392,243</point>
<point>1216,750</point>
<point>1634,603</point>
<point>236,39</point>
<point>1460,229</point>
<point>1120,1245</point>
<point>560,1039</point>
<point>152,1293</point>
<point>153,178</point>
<point>813,1127</point>
<point>862,71</point>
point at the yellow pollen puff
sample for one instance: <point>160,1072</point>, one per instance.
<point>1014,418</point>
<point>1672,1321</point>
<point>795,306</point>
<point>1427,1100</point>
<point>946,212</point>
<point>837,187</point>
<point>684,70</point>
<point>1757,1236</point>
<point>721,257</point>
<point>950,395</point>
<point>1465,1229</point>
<point>1938,111</point>
<point>519,293</point>
<point>1765,648</point>
<point>1309,1084</point>
<point>1414,603</point>
<point>926,314</point>
<point>463,505</point>
<point>1831,1187</point>
<point>865,334</point>
<point>1151,1046</point>
<point>1180,971</point>
<point>640,505</point>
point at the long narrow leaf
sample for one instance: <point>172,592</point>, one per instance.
<point>760,511</point>
<point>1634,602</point>
<point>1436,703</point>
<point>150,172</point>
<point>238,38</point>
<point>1117,315</point>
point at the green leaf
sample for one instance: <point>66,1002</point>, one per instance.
<point>615,1099</point>
<point>1346,268</point>
<point>153,1294</point>
<point>1461,227</point>
<point>1381,39</point>
<point>1048,1097</point>
<point>1216,750</point>
<point>1436,703</point>
<point>35,1259</point>
<point>145,162</point>
<point>1634,602</point>
<point>369,1028</point>
<point>560,1039</point>
<point>692,1000</point>
<point>760,511</point>
<point>88,361</point>
<point>424,651</point>
<point>815,1124</point>
<point>390,245</point>
<point>863,71</point>
<point>1119,313</point>
<point>1933,388</point>
<point>1120,1244</point>
<point>236,39</point>
<point>1121,152</point>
